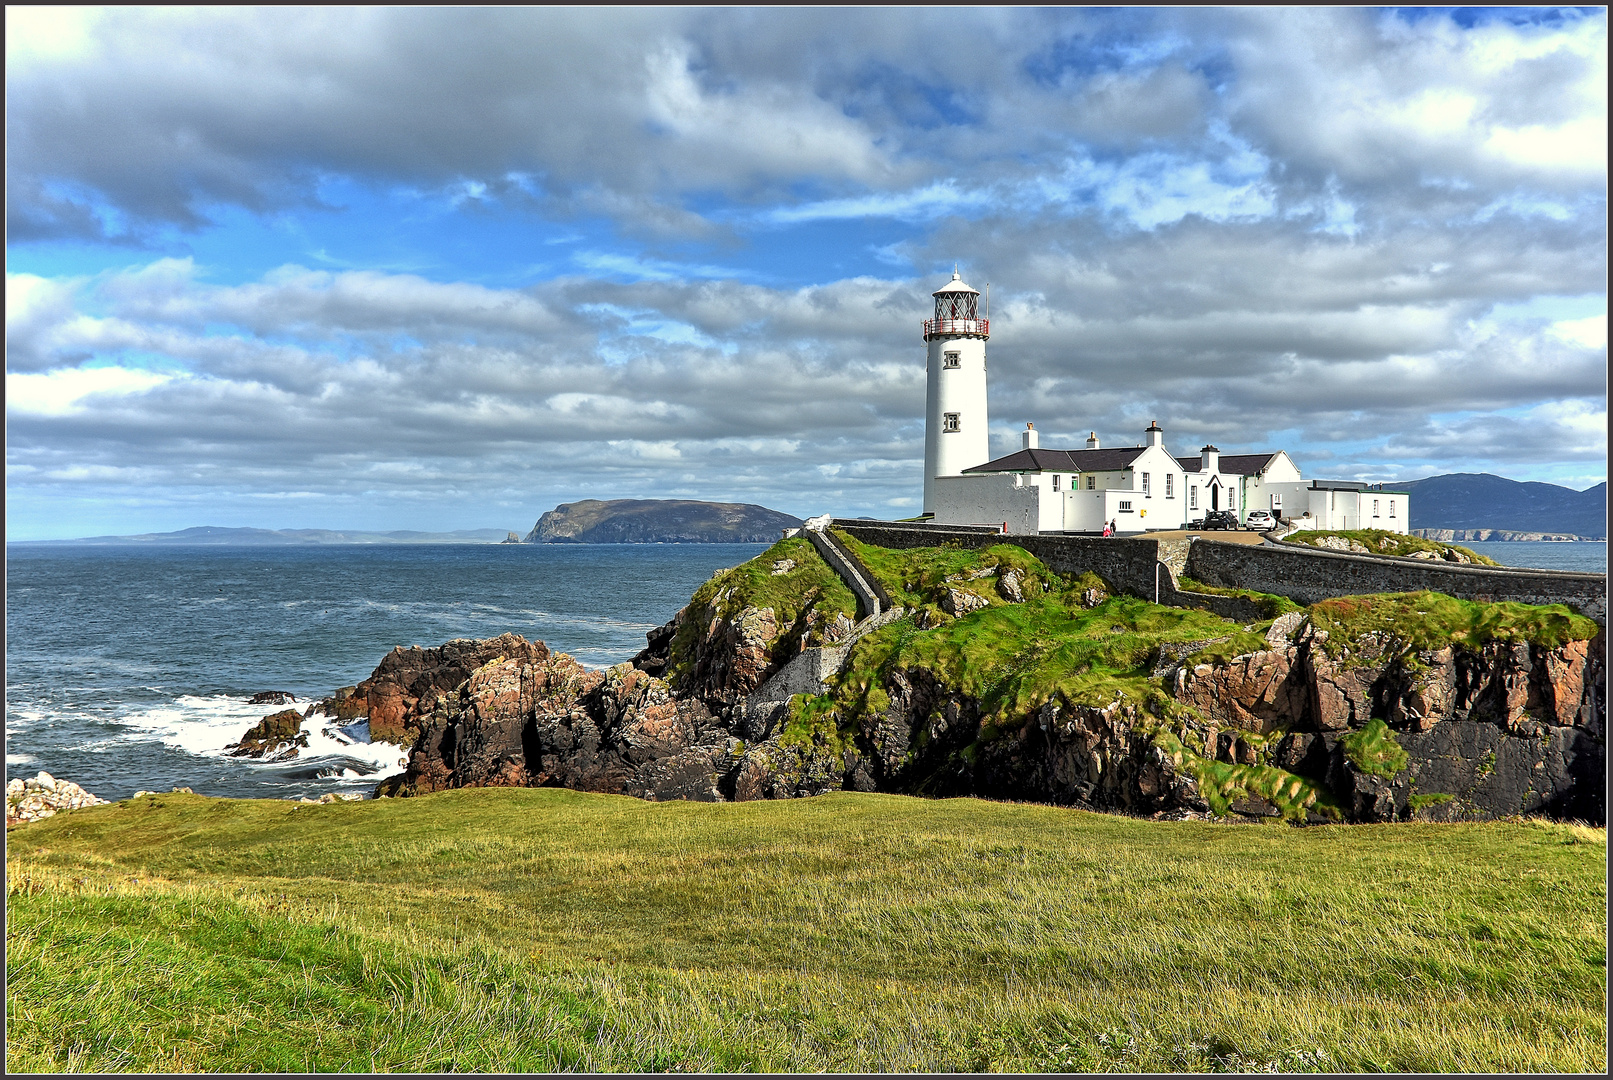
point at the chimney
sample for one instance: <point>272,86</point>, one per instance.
<point>1211,461</point>
<point>1155,433</point>
<point>1092,441</point>
<point>1029,440</point>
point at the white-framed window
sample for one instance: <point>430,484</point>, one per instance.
<point>1125,507</point>
<point>1276,502</point>
<point>1055,481</point>
<point>1092,482</point>
<point>1192,496</point>
<point>1374,507</point>
<point>1146,493</point>
<point>949,421</point>
<point>1170,492</point>
<point>1391,508</point>
<point>949,359</point>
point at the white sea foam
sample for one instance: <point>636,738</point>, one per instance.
<point>206,726</point>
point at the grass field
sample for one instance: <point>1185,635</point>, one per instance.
<point>522,929</point>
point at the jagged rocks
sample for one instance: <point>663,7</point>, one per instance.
<point>276,737</point>
<point>1011,588</point>
<point>272,697</point>
<point>957,602</point>
<point>409,682</point>
<point>519,723</point>
<point>42,796</point>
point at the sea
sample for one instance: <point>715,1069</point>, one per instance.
<point>130,668</point>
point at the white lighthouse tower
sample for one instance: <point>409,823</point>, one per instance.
<point>955,414</point>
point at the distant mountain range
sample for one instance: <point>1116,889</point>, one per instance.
<point>212,535</point>
<point>1475,501</point>
<point>659,521</point>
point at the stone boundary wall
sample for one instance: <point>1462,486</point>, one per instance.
<point>1303,575</point>
<point>1126,563</point>
<point>1307,575</point>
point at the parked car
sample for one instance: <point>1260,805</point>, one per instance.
<point>1260,520</point>
<point>1215,519</point>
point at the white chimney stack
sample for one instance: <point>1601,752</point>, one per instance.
<point>1029,440</point>
<point>1155,433</point>
<point>1212,460</point>
<point>1092,441</point>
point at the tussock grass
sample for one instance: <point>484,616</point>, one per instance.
<point>1374,749</point>
<point>522,929</point>
<point>1412,622</point>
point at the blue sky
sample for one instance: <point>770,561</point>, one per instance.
<point>437,268</point>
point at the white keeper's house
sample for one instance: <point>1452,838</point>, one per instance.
<point>1142,488</point>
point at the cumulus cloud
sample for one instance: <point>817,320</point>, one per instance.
<point>1331,226</point>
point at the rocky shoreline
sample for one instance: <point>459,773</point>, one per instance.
<point>1502,729</point>
<point>1338,712</point>
<point>39,797</point>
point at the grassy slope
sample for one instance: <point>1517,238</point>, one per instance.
<point>501,929</point>
<point>1383,542</point>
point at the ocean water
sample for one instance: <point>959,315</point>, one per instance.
<point>129,668</point>
<point>1584,556</point>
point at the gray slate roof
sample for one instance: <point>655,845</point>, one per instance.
<point>1111,459</point>
<point>1062,460</point>
<point>1235,464</point>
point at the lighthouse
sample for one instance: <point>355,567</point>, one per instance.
<point>955,404</point>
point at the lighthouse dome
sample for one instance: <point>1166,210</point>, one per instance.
<point>956,285</point>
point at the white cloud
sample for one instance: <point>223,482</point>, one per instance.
<point>67,390</point>
<point>1589,332</point>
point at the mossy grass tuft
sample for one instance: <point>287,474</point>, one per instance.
<point>548,930</point>
<point>1374,749</point>
<point>1385,542</point>
<point>810,584</point>
<point>1412,622</point>
<point>1269,604</point>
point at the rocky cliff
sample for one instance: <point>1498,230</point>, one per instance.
<point>1006,680</point>
<point>659,521</point>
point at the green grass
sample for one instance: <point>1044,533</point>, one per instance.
<point>1407,623</point>
<point>541,929</point>
<point>919,577</point>
<point>1373,749</point>
<point>1270,604</point>
<point>1015,657</point>
<point>810,586</point>
<point>1383,542</point>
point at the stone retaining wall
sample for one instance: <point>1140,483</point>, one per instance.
<point>1307,575</point>
<point>1304,575</point>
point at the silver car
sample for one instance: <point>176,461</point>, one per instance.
<point>1260,520</point>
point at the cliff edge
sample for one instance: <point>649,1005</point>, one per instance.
<point>1007,680</point>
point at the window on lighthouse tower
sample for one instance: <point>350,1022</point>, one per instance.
<point>949,359</point>
<point>949,421</point>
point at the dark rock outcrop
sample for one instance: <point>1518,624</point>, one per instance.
<point>1474,733</point>
<point>274,738</point>
<point>272,697</point>
<point>410,682</point>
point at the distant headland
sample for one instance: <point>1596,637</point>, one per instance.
<point>658,521</point>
